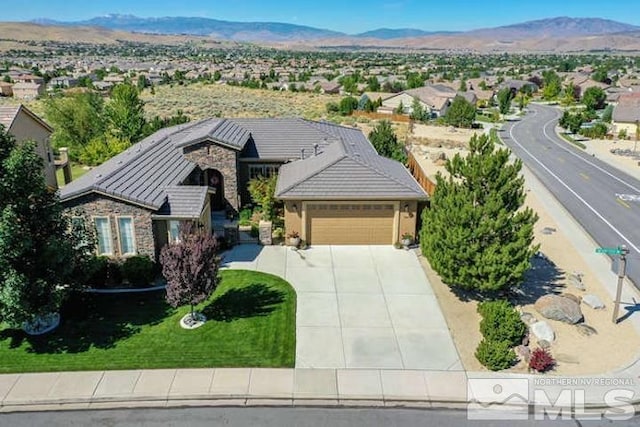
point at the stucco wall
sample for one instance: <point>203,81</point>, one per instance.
<point>211,156</point>
<point>25,128</point>
<point>407,220</point>
<point>293,217</point>
<point>100,206</point>
<point>629,127</point>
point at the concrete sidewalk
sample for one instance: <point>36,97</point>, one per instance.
<point>302,387</point>
<point>231,387</point>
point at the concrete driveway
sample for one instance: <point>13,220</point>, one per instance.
<point>358,306</point>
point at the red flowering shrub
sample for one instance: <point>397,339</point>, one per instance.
<point>541,360</point>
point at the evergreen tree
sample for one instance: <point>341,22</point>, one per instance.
<point>476,235</point>
<point>417,111</point>
<point>386,143</point>
<point>461,113</point>
<point>41,250</point>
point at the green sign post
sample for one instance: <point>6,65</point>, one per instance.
<point>622,271</point>
<point>610,251</point>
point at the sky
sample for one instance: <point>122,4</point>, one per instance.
<point>349,16</point>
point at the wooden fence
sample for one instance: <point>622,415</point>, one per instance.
<point>418,173</point>
<point>381,116</point>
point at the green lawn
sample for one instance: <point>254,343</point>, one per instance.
<point>76,172</point>
<point>251,323</point>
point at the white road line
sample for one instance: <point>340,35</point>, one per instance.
<point>591,208</point>
<point>544,131</point>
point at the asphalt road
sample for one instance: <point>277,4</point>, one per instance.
<point>275,417</point>
<point>599,196</point>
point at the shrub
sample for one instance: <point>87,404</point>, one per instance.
<point>495,355</point>
<point>245,217</point>
<point>541,360</point>
<point>255,231</point>
<point>138,270</point>
<point>501,322</point>
<point>97,269</point>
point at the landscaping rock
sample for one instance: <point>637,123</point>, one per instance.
<point>573,297</point>
<point>593,301</point>
<point>542,331</point>
<point>544,344</point>
<point>557,307</point>
<point>586,330</point>
<point>567,358</point>
<point>523,353</point>
<point>528,318</point>
<point>575,280</point>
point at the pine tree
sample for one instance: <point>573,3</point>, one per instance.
<point>476,235</point>
<point>386,143</point>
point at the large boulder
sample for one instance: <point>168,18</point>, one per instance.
<point>557,307</point>
<point>542,331</point>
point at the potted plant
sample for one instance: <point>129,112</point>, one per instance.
<point>407,240</point>
<point>294,239</point>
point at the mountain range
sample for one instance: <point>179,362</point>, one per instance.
<point>284,32</point>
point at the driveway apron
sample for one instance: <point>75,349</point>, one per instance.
<point>368,307</point>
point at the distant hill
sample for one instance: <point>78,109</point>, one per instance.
<point>561,34</point>
<point>398,33</point>
<point>556,27</point>
<point>239,31</point>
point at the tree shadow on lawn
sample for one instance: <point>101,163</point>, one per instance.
<point>254,300</point>
<point>95,320</point>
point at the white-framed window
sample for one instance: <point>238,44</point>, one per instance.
<point>173,231</point>
<point>262,170</point>
<point>126,235</point>
<point>103,233</point>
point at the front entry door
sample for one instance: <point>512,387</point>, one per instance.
<point>215,181</point>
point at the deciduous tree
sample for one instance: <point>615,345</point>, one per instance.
<point>505,96</point>
<point>190,266</point>
<point>476,234</point>
<point>125,113</point>
<point>594,98</point>
<point>41,250</point>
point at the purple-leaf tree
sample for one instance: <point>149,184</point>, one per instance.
<point>190,266</point>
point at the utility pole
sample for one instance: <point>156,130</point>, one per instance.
<point>622,271</point>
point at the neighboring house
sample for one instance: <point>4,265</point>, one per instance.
<point>519,84</point>
<point>28,78</point>
<point>626,114</point>
<point>102,86</point>
<point>24,125</point>
<point>138,198</point>
<point>329,87</point>
<point>63,82</point>
<point>435,99</point>
<point>6,89</point>
<point>27,91</point>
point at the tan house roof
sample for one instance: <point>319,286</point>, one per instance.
<point>628,109</point>
<point>9,113</point>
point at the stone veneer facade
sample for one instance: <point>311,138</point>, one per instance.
<point>95,205</point>
<point>208,155</point>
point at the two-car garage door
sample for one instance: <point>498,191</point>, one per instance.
<point>350,224</point>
